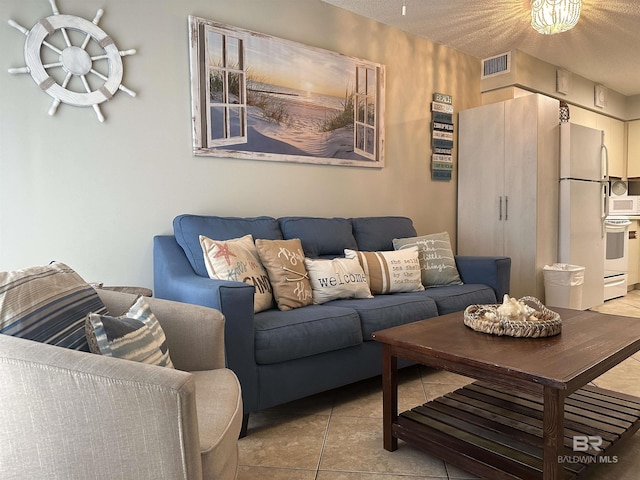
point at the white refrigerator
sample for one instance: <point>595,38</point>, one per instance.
<point>581,235</point>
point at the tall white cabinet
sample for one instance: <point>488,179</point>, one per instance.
<point>508,173</point>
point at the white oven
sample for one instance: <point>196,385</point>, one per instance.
<point>616,257</point>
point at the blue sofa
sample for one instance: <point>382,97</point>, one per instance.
<point>281,356</point>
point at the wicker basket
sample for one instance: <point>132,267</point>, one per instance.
<point>541,323</point>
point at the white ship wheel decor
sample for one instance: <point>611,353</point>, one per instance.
<point>72,61</point>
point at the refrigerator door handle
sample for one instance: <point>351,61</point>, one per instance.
<point>500,210</point>
<point>604,207</point>
<point>606,161</point>
<point>506,207</point>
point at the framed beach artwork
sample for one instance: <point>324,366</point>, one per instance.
<point>260,97</point>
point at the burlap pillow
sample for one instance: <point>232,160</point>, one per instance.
<point>284,262</point>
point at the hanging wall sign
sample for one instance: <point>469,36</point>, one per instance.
<point>442,137</point>
<point>73,60</point>
<point>442,98</point>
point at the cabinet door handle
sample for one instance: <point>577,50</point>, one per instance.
<point>506,207</point>
<point>500,210</point>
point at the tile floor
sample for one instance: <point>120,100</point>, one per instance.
<point>337,435</point>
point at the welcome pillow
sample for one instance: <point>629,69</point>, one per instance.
<point>284,262</point>
<point>390,272</point>
<point>437,264</point>
<point>337,278</point>
<point>238,260</point>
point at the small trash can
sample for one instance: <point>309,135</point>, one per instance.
<point>563,285</point>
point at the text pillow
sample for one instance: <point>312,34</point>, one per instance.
<point>238,260</point>
<point>437,264</point>
<point>337,278</point>
<point>390,272</point>
<point>284,262</point>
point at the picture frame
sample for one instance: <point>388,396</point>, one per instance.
<point>260,97</point>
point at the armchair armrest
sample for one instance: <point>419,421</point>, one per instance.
<point>65,413</point>
<point>195,334</point>
<point>492,271</point>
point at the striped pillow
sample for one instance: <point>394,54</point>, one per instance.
<point>390,272</point>
<point>136,335</point>
<point>47,304</point>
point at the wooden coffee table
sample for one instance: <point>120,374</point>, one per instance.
<point>531,414</point>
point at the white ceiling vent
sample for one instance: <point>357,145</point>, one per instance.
<point>498,65</point>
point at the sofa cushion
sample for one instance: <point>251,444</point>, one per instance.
<point>385,311</point>
<point>390,272</point>
<point>47,304</point>
<point>282,336</point>
<point>377,233</point>
<point>284,262</point>
<point>136,335</point>
<point>238,260</point>
<point>320,236</point>
<point>454,298</point>
<point>188,228</point>
<point>437,263</point>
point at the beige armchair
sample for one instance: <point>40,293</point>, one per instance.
<point>68,415</point>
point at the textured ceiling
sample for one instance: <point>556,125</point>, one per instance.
<point>604,47</point>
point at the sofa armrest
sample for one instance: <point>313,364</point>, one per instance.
<point>175,279</point>
<point>67,414</point>
<point>492,271</point>
<point>195,334</point>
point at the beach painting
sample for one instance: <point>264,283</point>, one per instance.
<point>255,96</point>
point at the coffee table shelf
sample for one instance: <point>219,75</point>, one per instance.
<point>497,433</point>
<point>487,432</point>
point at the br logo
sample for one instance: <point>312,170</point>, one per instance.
<point>582,443</point>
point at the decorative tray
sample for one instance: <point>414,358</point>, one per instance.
<point>514,318</point>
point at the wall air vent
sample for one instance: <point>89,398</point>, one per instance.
<point>498,65</point>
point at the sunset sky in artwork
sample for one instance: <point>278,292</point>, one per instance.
<point>283,63</point>
<point>294,66</point>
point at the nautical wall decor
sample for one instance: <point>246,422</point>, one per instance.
<point>442,137</point>
<point>73,60</point>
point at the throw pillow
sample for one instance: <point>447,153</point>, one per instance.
<point>390,272</point>
<point>238,260</point>
<point>47,304</point>
<point>437,264</point>
<point>337,278</point>
<point>136,335</point>
<point>284,262</point>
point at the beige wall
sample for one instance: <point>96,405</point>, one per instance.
<point>538,76</point>
<point>94,195</point>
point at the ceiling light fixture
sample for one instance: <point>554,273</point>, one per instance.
<point>554,16</point>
